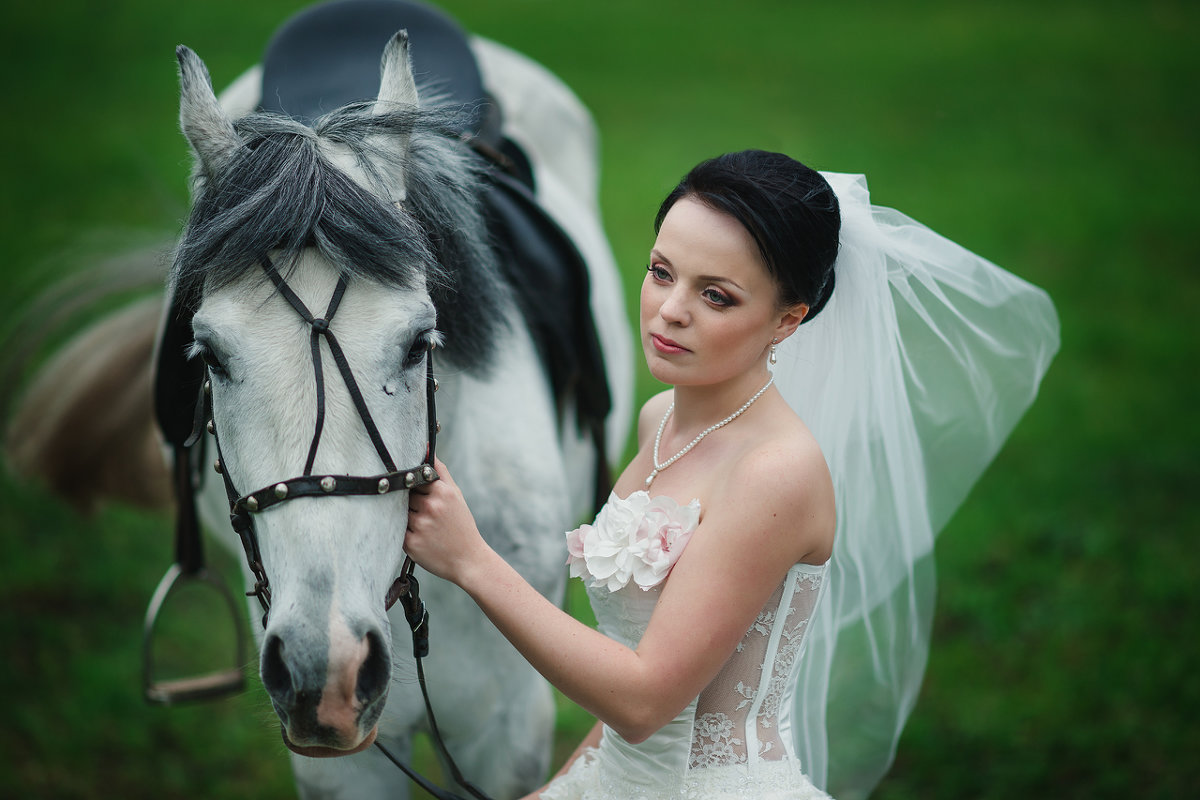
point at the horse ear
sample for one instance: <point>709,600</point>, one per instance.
<point>396,83</point>
<point>397,87</point>
<point>206,126</point>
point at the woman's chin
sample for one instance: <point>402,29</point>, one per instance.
<point>664,369</point>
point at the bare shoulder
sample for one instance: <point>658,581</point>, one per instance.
<point>780,487</point>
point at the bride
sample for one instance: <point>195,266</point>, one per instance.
<point>708,566</point>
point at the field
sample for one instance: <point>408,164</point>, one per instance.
<point>1057,139</point>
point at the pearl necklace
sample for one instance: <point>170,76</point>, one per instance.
<point>662,426</point>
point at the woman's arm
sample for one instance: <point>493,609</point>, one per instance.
<point>748,538</point>
<point>577,659</point>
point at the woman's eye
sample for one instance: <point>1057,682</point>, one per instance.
<point>717,298</point>
<point>658,272</point>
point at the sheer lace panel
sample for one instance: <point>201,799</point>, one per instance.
<point>737,716</point>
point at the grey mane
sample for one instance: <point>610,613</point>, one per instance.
<point>281,194</point>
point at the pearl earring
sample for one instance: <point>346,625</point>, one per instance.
<point>771,357</point>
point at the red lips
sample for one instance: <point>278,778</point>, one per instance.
<point>664,345</point>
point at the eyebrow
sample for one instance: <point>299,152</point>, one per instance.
<point>657,254</point>
<point>719,279</point>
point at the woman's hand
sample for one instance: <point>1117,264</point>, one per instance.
<point>442,536</point>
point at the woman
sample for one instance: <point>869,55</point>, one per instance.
<point>706,565</point>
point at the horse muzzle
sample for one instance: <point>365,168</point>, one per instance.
<point>329,705</point>
<point>329,752</point>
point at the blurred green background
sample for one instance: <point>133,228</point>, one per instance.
<point>1057,139</point>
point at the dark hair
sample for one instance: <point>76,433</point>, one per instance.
<point>789,209</point>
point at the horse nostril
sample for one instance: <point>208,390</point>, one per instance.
<point>375,672</point>
<point>276,677</point>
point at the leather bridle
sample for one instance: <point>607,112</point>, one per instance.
<point>243,507</point>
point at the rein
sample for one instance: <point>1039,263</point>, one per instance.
<point>243,507</point>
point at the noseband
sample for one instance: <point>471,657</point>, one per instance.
<point>243,507</point>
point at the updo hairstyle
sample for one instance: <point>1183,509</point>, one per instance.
<point>789,209</point>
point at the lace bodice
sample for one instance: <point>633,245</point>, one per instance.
<point>743,717</point>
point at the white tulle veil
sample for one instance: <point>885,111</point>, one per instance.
<point>910,378</point>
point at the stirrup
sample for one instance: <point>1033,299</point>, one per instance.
<point>200,687</point>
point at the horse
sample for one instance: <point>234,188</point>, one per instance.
<point>371,216</point>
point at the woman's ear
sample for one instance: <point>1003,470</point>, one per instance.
<point>790,320</point>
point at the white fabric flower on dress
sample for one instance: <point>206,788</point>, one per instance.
<point>639,538</point>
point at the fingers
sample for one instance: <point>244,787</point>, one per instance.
<point>429,501</point>
<point>442,471</point>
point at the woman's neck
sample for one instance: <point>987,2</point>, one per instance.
<point>697,407</point>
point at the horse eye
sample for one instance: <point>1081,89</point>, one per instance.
<point>416,353</point>
<point>215,367</point>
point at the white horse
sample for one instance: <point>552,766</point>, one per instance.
<point>380,195</point>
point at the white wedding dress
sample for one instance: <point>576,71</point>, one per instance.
<point>910,380</point>
<point>735,739</point>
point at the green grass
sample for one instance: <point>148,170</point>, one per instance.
<point>1057,139</point>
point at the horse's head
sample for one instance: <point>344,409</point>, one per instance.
<point>378,201</point>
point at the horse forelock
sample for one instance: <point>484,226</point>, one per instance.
<point>283,193</point>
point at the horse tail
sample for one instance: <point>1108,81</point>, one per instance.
<point>84,426</point>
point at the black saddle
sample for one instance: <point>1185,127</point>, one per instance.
<point>328,55</point>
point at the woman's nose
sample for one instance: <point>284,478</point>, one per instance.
<point>674,308</point>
